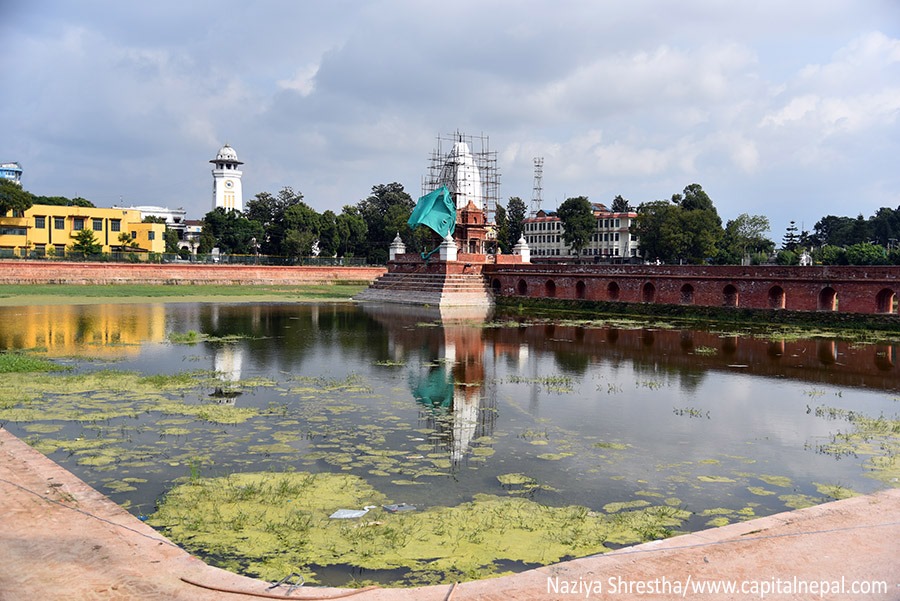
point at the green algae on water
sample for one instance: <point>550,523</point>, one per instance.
<point>875,439</point>
<point>18,362</point>
<point>270,524</point>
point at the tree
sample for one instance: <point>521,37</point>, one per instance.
<point>695,199</point>
<point>701,230</point>
<point>62,201</point>
<point>502,229</point>
<point>830,255</point>
<point>206,243</point>
<point>329,236</point>
<point>516,211</point>
<point>85,244</point>
<point>577,217</point>
<point>833,230</point>
<point>620,205</point>
<point>385,212</point>
<point>686,229</point>
<point>298,243</point>
<point>745,235</point>
<point>790,240</point>
<point>885,226</point>
<point>269,211</point>
<point>231,230</point>
<point>171,238</point>
<point>126,241</point>
<point>13,197</point>
<point>302,218</point>
<point>866,253</point>
<point>352,232</point>
<point>787,257</point>
<point>654,230</point>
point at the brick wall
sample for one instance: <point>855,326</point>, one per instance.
<point>51,272</point>
<point>850,289</point>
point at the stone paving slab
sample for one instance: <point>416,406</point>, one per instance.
<point>61,539</point>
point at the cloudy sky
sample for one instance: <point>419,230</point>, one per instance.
<point>789,109</point>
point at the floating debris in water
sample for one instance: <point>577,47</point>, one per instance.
<point>348,514</point>
<point>398,507</point>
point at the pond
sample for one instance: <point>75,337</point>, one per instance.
<point>238,429</point>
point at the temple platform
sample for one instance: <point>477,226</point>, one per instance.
<point>439,284</point>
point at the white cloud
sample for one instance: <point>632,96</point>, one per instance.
<point>303,81</point>
<point>334,97</point>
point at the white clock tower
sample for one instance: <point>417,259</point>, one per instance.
<point>227,180</point>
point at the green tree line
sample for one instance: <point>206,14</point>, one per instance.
<point>841,240</point>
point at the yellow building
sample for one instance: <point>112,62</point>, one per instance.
<point>49,229</point>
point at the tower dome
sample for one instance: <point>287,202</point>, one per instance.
<point>227,153</point>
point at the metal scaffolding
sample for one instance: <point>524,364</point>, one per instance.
<point>485,160</point>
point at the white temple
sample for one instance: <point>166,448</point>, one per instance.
<point>461,176</point>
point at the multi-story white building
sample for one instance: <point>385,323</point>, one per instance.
<point>611,240</point>
<point>11,171</point>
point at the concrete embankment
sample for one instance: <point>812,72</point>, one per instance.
<point>61,539</point>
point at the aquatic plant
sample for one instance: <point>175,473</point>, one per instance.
<point>690,412</point>
<point>271,524</point>
<point>18,362</point>
<point>705,350</point>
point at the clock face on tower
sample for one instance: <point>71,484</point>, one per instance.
<point>229,184</point>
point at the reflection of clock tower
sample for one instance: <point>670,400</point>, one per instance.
<point>227,180</point>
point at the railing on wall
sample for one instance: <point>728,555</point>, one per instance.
<point>224,259</point>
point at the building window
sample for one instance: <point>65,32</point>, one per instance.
<point>97,224</point>
<point>60,249</point>
<point>59,223</point>
<point>151,235</point>
<point>40,222</point>
<point>78,224</point>
<point>617,236</point>
<point>134,235</point>
<point>115,225</point>
<point>40,249</point>
<point>13,230</point>
<point>617,223</point>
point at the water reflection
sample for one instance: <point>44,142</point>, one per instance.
<point>227,362</point>
<point>449,383</point>
<point>279,336</point>
<point>598,414</point>
<point>108,330</point>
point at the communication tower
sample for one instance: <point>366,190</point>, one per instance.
<point>538,185</point>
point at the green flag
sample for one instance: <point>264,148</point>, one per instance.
<point>437,211</point>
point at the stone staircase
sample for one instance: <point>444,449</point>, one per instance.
<point>437,289</point>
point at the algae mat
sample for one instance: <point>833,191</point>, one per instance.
<point>275,524</point>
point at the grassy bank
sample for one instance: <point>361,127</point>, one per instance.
<point>850,325</point>
<point>52,294</point>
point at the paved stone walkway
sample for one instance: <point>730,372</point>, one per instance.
<point>62,540</point>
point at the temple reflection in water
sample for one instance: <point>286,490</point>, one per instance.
<point>457,397</point>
